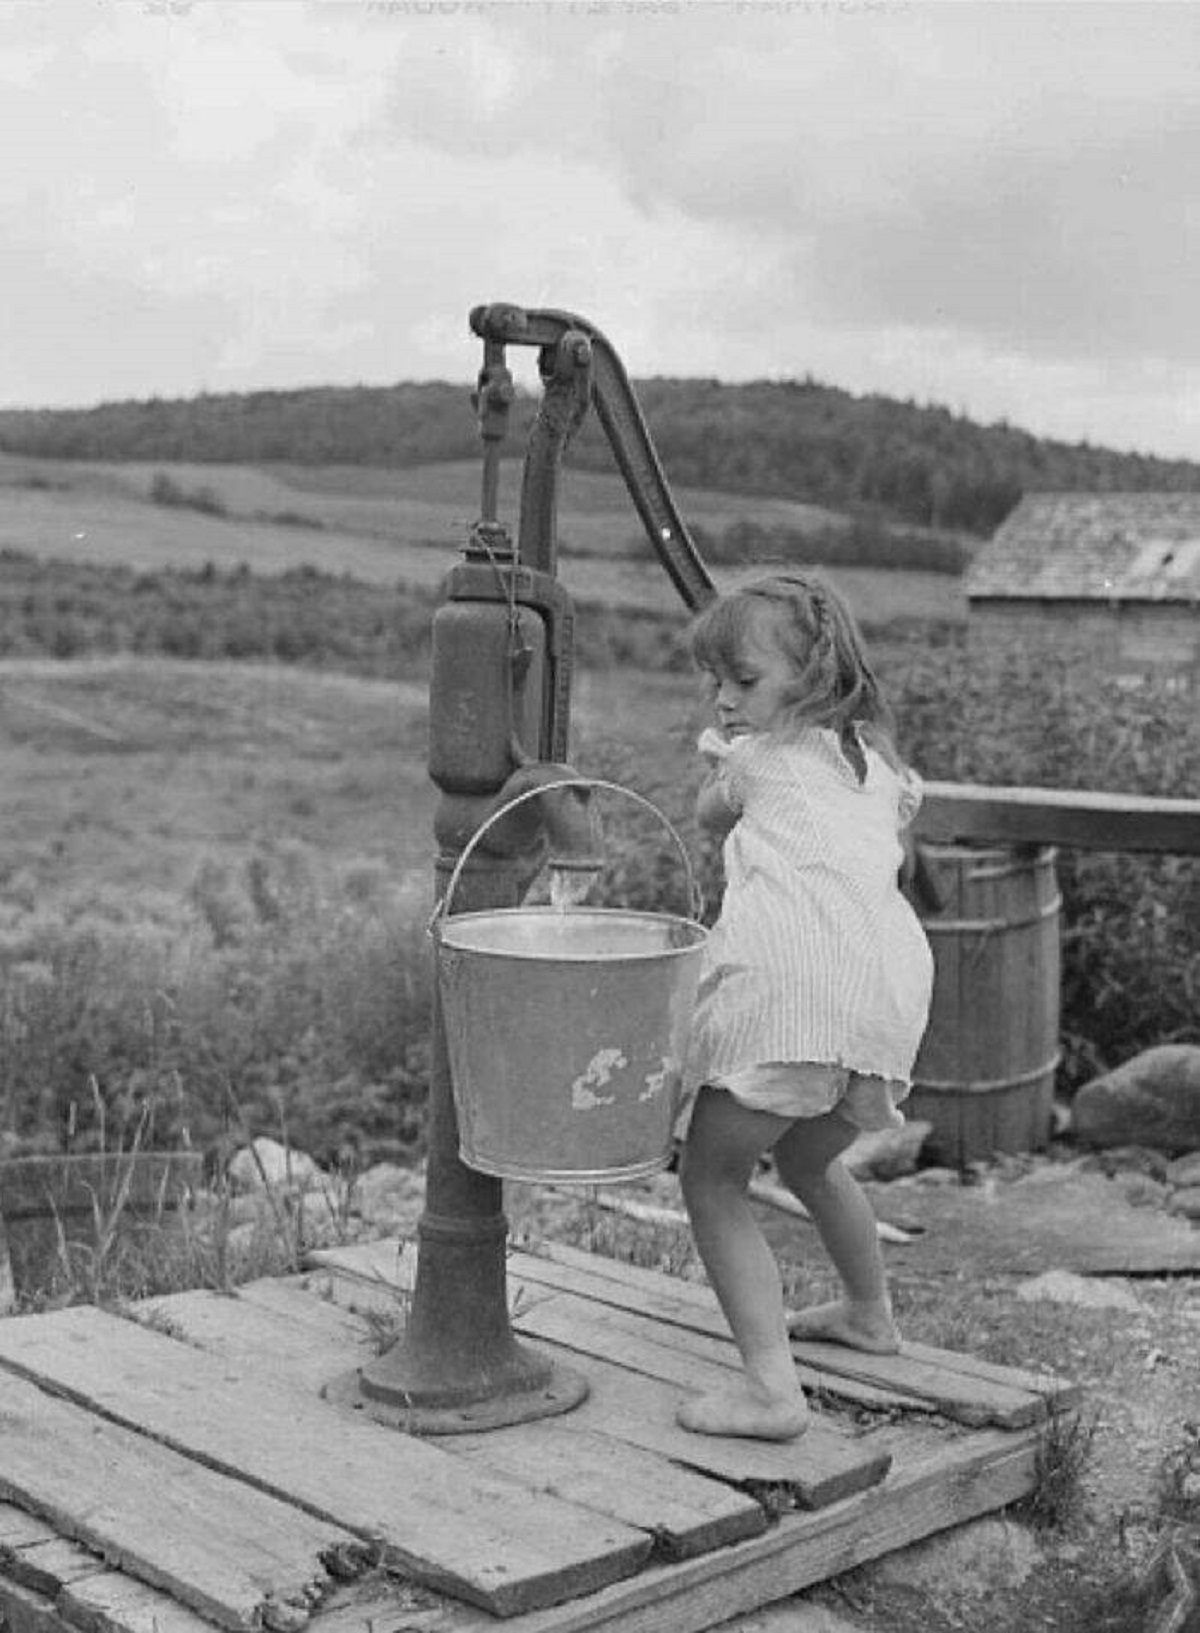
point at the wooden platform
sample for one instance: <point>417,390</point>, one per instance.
<point>182,1471</point>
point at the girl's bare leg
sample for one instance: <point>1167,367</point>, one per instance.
<point>724,1142</point>
<point>808,1160</point>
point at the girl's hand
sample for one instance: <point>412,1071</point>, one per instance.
<point>715,812</point>
<point>713,745</point>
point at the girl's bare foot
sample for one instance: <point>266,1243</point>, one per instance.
<point>844,1323</point>
<point>740,1410</point>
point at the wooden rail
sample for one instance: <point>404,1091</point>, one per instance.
<point>955,813</point>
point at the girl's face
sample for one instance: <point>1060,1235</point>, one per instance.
<point>752,695</point>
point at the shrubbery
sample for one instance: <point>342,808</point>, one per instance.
<point>66,609</point>
<point>1059,718</point>
<point>866,541</point>
<point>276,1002</point>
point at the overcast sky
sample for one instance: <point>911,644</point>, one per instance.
<point>991,206</point>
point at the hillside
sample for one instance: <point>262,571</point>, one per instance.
<point>798,440</point>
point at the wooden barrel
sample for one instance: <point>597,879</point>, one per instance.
<point>984,1076</point>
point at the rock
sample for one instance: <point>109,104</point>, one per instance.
<point>935,1177</point>
<point>1184,1171</point>
<point>1048,1171</point>
<point>971,1562</point>
<point>1064,1287</point>
<point>796,1615</point>
<point>1185,1203</point>
<point>1138,1159</point>
<point>276,1165</point>
<point>1140,1191</point>
<point>1152,1100</point>
<point>887,1153</point>
<point>391,1196</point>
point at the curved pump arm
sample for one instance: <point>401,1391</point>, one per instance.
<point>628,436</point>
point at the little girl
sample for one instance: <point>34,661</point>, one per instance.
<point>816,983</point>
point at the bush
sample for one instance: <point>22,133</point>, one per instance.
<point>165,490</point>
<point>863,541</point>
<point>280,1004</point>
<point>1011,715</point>
<point>68,609</point>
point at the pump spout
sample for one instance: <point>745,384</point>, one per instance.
<point>551,805</point>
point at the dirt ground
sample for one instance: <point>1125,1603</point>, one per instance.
<point>965,1282</point>
<point>1119,1480</point>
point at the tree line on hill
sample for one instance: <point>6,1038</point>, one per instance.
<point>794,439</point>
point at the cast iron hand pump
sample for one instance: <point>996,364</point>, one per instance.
<point>499,716</point>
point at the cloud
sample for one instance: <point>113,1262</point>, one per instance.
<point>989,204</point>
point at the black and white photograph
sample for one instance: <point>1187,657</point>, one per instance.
<point>599,816</point>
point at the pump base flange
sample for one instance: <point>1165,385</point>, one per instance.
<point>560,1391</point>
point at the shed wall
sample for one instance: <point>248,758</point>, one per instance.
<point>1143,637</point>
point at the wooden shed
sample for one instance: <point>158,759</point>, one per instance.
<point>1119,571</point>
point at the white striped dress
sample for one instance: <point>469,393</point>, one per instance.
<point>816,955</point>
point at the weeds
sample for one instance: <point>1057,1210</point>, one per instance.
<point>300,1000</point>
<point>1063,1454</point>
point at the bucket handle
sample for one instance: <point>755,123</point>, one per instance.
<point>442,906</point>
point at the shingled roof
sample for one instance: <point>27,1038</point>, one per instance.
<point>1094,547</point>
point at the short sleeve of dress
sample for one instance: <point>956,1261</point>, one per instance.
<point>912,792</point>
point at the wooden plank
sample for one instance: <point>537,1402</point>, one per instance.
<point>383,1604</point>
<point>112,1603</point>
<point>1060,1394</point>
<point>401,1494</point>
<point>639,1407</point>
<point>270,1342</point>
<point>80,1590</point>
<point>919,1378</point>
<point>46,1565</point>
<point>960,1387</point>
<point>682,1512</point>
<point>664,1298</point>
<point>19,1528</point>
<point>953,813</point>
<point>945,1482</point>
<point>816,1469</point>
<point>690,1307</point>
<point>1180,1257</point>
<point>639,1411</point>
<point>24,1611</point>
<point>222,1548</point>
<point>828,1462</point>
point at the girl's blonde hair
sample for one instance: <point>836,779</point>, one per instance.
<point>810,624</point>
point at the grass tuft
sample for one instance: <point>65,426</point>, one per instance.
<point>1063,1455</point>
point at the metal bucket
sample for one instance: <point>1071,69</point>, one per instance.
<point>566,1030</point>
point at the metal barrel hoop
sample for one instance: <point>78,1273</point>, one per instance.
<point>441,909</point>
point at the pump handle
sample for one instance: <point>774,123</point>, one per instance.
<point>628,436</point>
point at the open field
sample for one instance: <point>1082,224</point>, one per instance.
<point>387,527</point>
<point>423,504</point>
<point>121,777</point>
